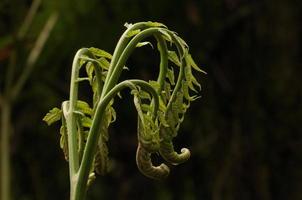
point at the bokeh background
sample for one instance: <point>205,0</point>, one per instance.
<point>244,133</point>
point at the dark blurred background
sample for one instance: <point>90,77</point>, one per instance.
<point>244,133</point>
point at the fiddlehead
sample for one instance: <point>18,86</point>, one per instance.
<point>144,163</point>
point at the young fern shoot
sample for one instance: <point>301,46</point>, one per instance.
<point>161,105</point>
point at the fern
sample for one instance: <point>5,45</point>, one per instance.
<point>161,105</point>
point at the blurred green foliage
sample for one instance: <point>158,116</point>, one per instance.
<point>245,132</point>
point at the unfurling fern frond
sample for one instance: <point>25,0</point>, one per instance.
<point>144,163</point>
<point>168,153</point>
<point>161,105</point>
<point>147,127</point>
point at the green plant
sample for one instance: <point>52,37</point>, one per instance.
<point>160,105</point>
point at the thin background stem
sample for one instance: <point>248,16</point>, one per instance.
<point>29,18</point>
<point>10,94</point>
<point>35,53</point>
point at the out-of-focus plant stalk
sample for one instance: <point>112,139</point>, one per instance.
<point>5,150</point>
<point>12,91</point>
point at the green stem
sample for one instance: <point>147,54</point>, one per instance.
<point>5,162</point>
<point>123,41</point>
<point>81,143</point>
<point>162,47</point>
<point>94,133</point>
<point>181,52</point>
<point>71,122</point>
<point>73,137</point>
<point>124,56</point>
